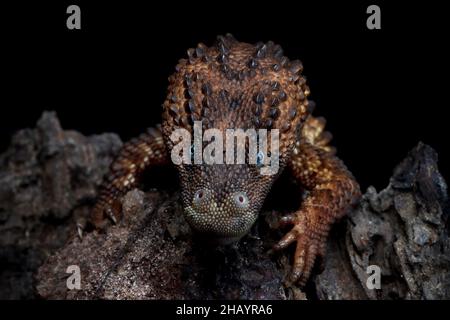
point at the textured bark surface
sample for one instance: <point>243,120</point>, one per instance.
<point>48,181</point>
<point>403,230</point>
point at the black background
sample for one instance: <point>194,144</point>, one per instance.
<point>280,309</point>
<point>381,91</point>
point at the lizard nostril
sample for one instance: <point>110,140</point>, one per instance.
<point>199,196</point>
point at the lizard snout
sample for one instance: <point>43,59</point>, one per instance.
<point>226,222</point>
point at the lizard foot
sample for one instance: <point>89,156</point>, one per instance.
<point>309,246</point>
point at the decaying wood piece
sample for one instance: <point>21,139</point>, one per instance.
<point>403,230</point>
<point>48,180</point>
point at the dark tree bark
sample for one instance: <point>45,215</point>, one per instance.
<point>48,181</point>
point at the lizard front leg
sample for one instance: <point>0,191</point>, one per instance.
<point>133,159</point>
<point>332,190</point>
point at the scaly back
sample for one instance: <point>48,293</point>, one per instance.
<point>238,85</point>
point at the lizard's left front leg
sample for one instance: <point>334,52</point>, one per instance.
<point>332,190</point>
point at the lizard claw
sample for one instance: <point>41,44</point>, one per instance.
<point>81,226</point>
<point>308,248</point>
<point>105,210</point>
<point>110,214</point>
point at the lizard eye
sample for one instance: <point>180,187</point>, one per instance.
<point>241,200</point>
<point>260,159</point>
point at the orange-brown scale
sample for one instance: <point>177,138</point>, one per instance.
<point>239,85</point>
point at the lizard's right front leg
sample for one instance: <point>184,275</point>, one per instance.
<point>134,158</point>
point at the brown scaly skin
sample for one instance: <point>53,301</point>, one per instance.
<point>238,85</point>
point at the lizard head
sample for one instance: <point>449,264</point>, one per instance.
<point>223,200</point>
<point>233,85</point>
